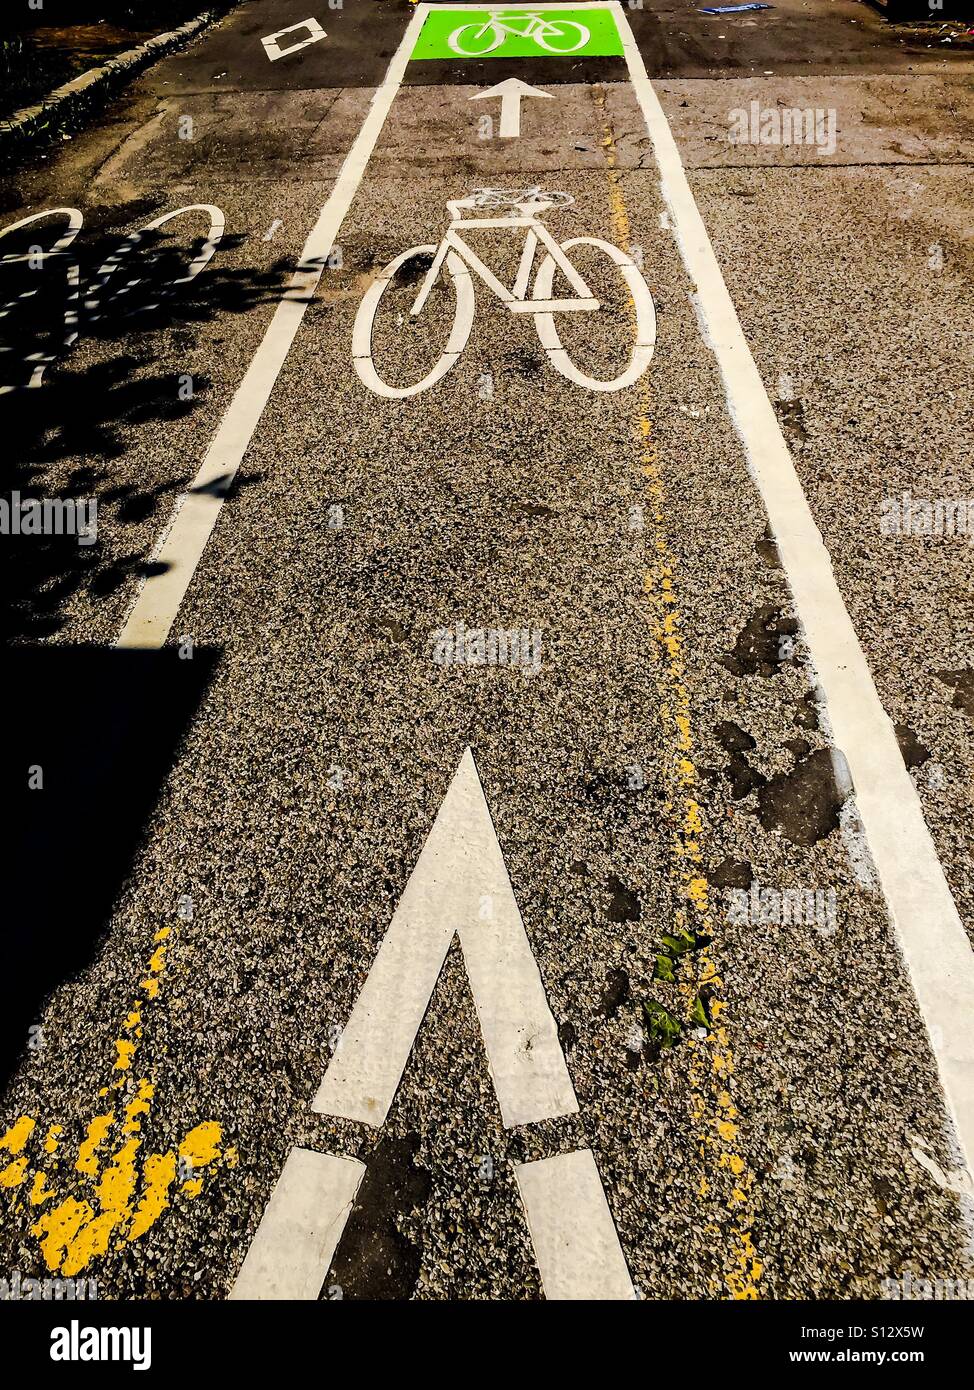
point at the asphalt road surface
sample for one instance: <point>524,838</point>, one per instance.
<point>492,789</point>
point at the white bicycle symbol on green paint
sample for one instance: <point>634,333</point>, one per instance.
<point>457,259</point>
<point>551,35</point>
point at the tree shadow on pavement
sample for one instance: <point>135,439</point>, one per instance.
<point>97,730</point>
<point>94,413</point>
<point>99,727</point>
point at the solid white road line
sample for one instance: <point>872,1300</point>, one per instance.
<point>195,516</point>
<point>572,1231</point>
<point>460,884</point>
<point>300,1229</point>
<point>934,943</point>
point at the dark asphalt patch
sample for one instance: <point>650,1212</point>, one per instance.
<point>104,727</point>
<point>767,549</point>
<point>803,805</point>
<point>736,743</point>
<point>624,904</point>
<point>731,873</point>
<point>374,1260</point>
<point>806,711</point>
<point>914,752</point>
<point>537,72</point>
<point>791,415</point>
<point>616,992</point>
<point>963,686</point>
<point>759,649</point>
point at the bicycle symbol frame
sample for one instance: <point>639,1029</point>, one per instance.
<point>539,28</point>
<point>458,259</point>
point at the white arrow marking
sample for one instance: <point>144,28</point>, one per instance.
<point>511,93</point>
<point>300,1228</point>
<point>575,1242</point>
<point>460,884</point>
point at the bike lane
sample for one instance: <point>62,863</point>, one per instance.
<point>745,1141</point>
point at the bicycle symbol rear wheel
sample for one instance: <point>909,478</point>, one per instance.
<point>362,334</point>
<point>485,39</point>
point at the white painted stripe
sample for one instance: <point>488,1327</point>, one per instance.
<point>925,918</point>
<point>460,884</point>
<point>300,1229</point>
<point>572,1231</point>
<point>156,606</point>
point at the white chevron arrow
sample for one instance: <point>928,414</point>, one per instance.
<point>460,886</point>
<point>511,92</point>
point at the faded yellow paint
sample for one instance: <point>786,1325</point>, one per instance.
<point>14,1139</point>
<point>140,1105</point>
<point>709,1084</point>
<point>57,1228</point>
<point>14,1173</point>
<point>40,1192</point>
<point>123,1194</point>
<point>160,1174</point>
<point>95,1136</point>
<point>201,1145</point>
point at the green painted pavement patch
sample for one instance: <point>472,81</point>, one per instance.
<point>519,33</point>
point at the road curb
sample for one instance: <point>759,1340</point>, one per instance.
<point>45,118</point>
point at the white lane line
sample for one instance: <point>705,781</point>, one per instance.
<point>300,1228</point>
<point>157,603</point>
<point>572,1231</point>
<point>460,884</point>
<point>925,918</point>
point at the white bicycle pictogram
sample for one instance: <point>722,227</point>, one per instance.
<point>551,35</point>
<point>458,259</point>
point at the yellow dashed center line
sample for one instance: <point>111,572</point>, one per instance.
<point>727,1178</point>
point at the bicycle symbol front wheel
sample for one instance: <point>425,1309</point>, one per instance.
<point>364,330</point>
<point>643,307</point>
<point>558,34</point>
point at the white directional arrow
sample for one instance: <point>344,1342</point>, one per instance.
<point>510,93</point>
<point>460,886</point>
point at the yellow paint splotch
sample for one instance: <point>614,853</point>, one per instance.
<point>110,1193</point>
<point>17,1135</point>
